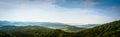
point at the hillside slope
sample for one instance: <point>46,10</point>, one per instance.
<point>106,30</point>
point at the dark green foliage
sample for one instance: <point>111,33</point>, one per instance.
<point>3,34</point>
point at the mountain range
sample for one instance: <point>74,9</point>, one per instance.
<point>111,29</point>
<point>62,26</point>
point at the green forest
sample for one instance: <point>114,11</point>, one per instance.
<point>111,29</point>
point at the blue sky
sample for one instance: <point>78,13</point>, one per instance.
<point>63,11</point>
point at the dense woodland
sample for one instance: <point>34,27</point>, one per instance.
<point>111,29</point>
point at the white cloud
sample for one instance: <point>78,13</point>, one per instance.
<point>49,12</point>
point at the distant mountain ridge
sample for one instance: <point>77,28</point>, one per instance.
<point>61,26</point>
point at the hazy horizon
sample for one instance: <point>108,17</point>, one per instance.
<point>62,11</point>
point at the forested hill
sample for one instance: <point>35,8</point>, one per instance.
<point>111,29</point>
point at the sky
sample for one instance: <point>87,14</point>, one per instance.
<point>63,11</point>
